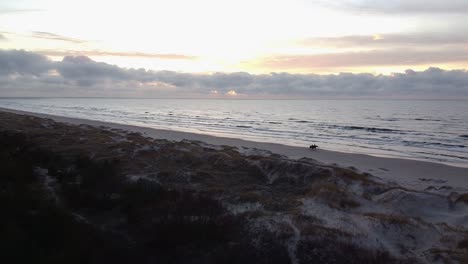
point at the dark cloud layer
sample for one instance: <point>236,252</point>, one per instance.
<point>20,62</point>
<point>29,74</point>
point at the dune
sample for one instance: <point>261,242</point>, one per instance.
<point>155,194</point>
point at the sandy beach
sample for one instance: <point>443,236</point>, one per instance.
<point>146,188</point>
<point>418,175</point>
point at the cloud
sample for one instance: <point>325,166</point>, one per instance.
<point>389,40</point>
<point>2,37</point>
<point>19,62</point>
<point>97,53</point>
<point>364,58</point>
<point>25,73</point>
<point>52,36</point>
<point>92,53</point>
<point>25,10</point>
<point>86,72</point>
<point>400,6</point>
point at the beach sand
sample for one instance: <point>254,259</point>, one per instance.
<point>295,206</point>
<point>417,175</point>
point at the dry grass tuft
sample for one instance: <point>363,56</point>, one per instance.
<point>463,198</point>
<point>333,195</point>
<point>389,218</point>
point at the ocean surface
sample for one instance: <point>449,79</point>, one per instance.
<point>435,131</point>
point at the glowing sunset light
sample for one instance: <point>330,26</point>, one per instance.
<point>231,93</point>
<point>377,37</point>
<point>228,36</point>
<point>147,43</point>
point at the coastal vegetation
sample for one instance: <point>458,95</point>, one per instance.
<point>83,194</point>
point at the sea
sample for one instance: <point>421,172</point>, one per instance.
<point>427,130</point>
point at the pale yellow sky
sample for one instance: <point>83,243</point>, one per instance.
<point>229,36</point>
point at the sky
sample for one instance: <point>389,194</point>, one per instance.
<point>242,49</point>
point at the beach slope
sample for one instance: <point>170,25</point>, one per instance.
<point>151,195</point>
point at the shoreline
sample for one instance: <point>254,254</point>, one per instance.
<point>418,175</point>
<point>134,192</point>
<point>399,147</point>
